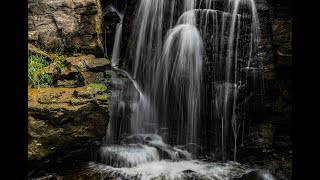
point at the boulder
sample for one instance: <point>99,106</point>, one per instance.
<point>69,83</point>
<point>189,175</point>
<point>79,62</point>
<point>65,122</point>
<point>78,71</point>
<point>88,63</point>
<point>93,77</point>
<point>33,36</point>
<point>66,25</point>
<point>98,65</point>
<point>69,72</point>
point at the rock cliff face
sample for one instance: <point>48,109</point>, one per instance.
<point>69,25</point>
<point>73,71</point>
<point>65,122</point>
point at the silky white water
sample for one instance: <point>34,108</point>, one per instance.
<point>117,46</point>
<point>171,60</point>
<point>117,40</point>
<point>179,72</point>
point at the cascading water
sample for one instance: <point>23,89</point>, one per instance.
<point>189,77</point>
<point>233,76</point>
<point>118,4</point>
<point>147,36</point>
<point>248,8</point>
<point>228,68</point>
<point>179,80</point>
<point>117,44</point>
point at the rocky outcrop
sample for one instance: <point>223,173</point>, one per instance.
<point>80,70</point>
<point>73,71</point>
<point>67,25</point>
<point>65,122</point>
<point>87,63</point>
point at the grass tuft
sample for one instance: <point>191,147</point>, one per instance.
<point>36,74</point>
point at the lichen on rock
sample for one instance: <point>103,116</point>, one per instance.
<point>65,121</point>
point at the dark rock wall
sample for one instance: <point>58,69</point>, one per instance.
<point>127,28</point>
<point>110,22</point>
<point>269,135</point>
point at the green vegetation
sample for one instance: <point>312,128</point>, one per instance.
<point>56,55</point>
<point>98,88</point>
<point>36,73</point>
<point>59,61</point>
<point>103,97</point>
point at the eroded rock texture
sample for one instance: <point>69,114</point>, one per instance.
<point>69,25</point>
<point>65,123</point>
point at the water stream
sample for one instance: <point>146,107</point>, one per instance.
<point>188,78</point>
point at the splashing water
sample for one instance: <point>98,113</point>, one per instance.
<point>180,170</point>
<point>129,155</point>
<point>139,149</point>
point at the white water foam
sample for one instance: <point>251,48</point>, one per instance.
<point>176,170</point>
<point>128,155</point>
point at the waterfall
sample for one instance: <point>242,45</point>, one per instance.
<point>188,65</point>
<point>173,3</point>
<point>147,36</point>
<point>188,5</point>
<point>117,40</point>
<point>117,45</point>
<point>187,17</point>
<point>248,8</point>
<point>209,4</point>
<point>118,4</point>
<point>179,75</point>
<point>129,155</point>
<point>235,7</point>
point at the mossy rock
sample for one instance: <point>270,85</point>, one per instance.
<point>65,121</point>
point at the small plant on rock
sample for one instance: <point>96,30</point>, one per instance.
<point>36,74</point>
